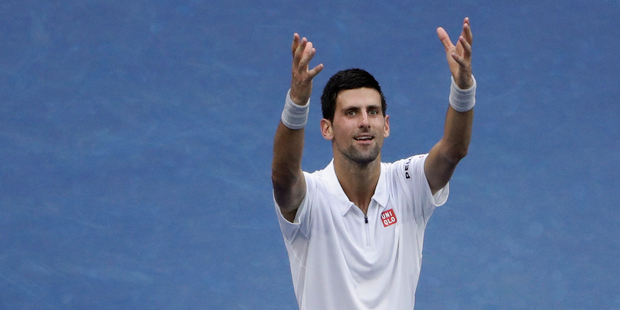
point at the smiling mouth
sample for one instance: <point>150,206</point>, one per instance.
<point>364,138</point>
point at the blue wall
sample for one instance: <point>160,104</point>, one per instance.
<point>135,148</point>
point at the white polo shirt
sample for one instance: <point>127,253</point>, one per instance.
<point>342,260</point>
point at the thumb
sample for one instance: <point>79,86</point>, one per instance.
<point>445,39</point>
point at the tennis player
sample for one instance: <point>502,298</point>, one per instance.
<point>354,230</point>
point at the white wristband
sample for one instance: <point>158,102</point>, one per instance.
<point>295,116</point>
<point>462,100</point>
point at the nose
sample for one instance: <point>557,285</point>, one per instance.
<point>364,119</point>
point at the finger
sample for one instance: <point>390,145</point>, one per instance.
<point>466,21</point>
<point>299,51</point>
<point>300,48</point>
<point>463,63</point>
<point>466,48</point>
<point>295,43</point>
<point>445,39</point>
<point>307,55</point>
<point>316,70</point>
<point>467,34</point>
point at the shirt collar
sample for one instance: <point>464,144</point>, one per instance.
<point>343,202</point>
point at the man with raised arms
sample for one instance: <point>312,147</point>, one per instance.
<point>354,230</point>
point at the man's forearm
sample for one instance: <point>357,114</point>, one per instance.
<point>457,134</point>
<point>286,174</point>
<point>287,153</point>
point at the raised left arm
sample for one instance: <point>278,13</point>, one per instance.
<point>453,146</point>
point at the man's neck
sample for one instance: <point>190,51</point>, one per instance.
<point>358,181</point>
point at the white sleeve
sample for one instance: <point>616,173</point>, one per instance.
<point>302,217</point>
<point>413,175</point>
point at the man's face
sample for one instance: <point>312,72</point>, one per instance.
<point>359,126</point>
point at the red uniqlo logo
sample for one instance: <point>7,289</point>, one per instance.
<point>388,218</point>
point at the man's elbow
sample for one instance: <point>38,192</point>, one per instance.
<point>283,179</point>
<point>462,152</point>
<point>288,190</point>
<point>456,153</point>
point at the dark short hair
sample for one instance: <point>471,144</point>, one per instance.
<point>344,80</point>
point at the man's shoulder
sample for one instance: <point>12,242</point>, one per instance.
<point>404,164</point>
<point>322,178</point>
<point>322,173</point>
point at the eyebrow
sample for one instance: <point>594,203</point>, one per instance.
<point>369,107</point>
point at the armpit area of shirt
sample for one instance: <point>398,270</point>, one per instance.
<point>296,220</point>
<point>441,196</point>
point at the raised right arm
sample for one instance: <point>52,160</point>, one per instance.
<point>289,184</point>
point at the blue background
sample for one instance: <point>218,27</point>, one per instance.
<point>136,136</point>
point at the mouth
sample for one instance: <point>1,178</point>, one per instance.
<point>364,138</point>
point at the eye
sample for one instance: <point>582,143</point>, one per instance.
<point>350,113</point>
<point>373,112</point>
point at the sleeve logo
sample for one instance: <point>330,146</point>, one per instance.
<point>407,168</point>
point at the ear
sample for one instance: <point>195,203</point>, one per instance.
<point>326,129</point>
<point>386,126</point>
